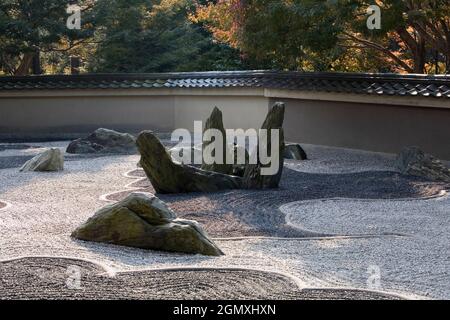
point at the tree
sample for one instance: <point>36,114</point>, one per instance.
<point>156,36</point>
<point>323,35</point>
<point>30,29</point>
<point>415,35</point>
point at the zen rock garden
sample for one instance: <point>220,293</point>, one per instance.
<point>226,219</point>
<point>147,223</point>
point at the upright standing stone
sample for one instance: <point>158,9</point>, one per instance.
<point>215,121</point>
<point>253,179</point>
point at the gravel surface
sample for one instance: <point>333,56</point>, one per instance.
<point>2,205</point>
<point>46,278</point>
<point>323,159</point>
<point>12,146</point>
<point>239,213</point>
<point>420,260</point>
<point>13,161</point>
<point>47,207</point>
<point>15,155</point>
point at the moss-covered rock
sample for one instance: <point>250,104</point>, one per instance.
<point>167,176</point>
<point>146,222</point>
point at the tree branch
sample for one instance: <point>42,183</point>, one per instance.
<point>375,46</point>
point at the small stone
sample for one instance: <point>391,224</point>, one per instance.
<point>49,160</point>
<point>294,151</point>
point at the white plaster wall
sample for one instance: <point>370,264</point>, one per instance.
<point>239,112</point>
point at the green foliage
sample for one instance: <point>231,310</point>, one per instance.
<point>29,26</point>
<point>291,34</point>
<point>197,35</point>
<point>156,36</point>
<point>333,34</point>
<point>116,36</point>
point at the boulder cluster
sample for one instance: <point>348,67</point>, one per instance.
<point>146,222</point>
<point>168,176</point>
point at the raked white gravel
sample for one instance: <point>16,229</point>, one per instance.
<point>47,207</point>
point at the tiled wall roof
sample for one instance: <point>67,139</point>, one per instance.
<point>357,83</point>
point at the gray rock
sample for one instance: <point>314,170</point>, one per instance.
<point>253,179</point>
<point>146,222</point>
<point>215,121</point>
<point>415,162</point>
<point>294,151</point>
<point>167,176</point>
<point>104,141</point>
<point>49,160</point>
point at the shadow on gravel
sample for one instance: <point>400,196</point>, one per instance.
<point>238,213</point>
<point>53,278</point>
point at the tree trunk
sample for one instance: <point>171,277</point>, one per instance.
<point>36,65</point>
<point>24,68</point>
<point>419,59</point>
